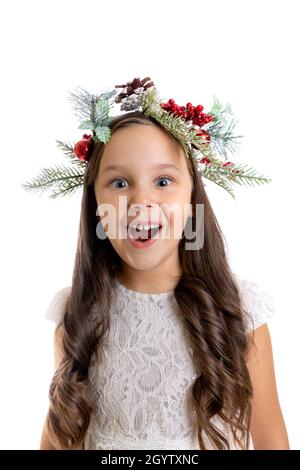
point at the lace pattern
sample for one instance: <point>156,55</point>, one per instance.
<point>258,303</point>
<point>147,374</point>
<point>143,385</point>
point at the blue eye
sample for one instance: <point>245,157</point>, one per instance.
<point>118,179</point>
<point>122,180</point>
<point>165,178</point>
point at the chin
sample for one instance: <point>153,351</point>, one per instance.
<point>141,264</point>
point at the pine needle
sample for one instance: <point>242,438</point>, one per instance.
<point>63,179</point>
<point>225,176</point>
<point>68,150</point>
<point>93,112</point>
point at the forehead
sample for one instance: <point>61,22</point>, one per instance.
<point>140,143</point>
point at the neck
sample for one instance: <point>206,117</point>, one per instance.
<point>156,280</point>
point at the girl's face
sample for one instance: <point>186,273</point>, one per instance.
<point>143,178</point>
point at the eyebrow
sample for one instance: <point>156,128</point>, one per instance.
<point>160,166</point>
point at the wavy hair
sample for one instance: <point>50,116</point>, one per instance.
<point>210,304</point>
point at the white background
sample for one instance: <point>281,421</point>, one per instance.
<point>247,54</point>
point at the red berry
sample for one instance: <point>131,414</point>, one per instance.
<point>204,160</point>
<point>81,149</point>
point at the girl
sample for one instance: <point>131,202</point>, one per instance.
<point>157,346</point>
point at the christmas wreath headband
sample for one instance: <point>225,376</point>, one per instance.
<point>208,137</point>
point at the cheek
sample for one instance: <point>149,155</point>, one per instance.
<point>179,208</point>
<point>112,212</point>
<point>114,223</point>
<point>175,217</point>
<point>107,197</point>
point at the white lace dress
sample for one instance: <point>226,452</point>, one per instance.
<point>147,371</point>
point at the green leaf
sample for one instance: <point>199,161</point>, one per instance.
<point>103,133</point>
<point>106,121</point>
<point>86,125</point>
<point>102,108</point>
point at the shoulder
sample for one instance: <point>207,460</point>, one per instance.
<point>257,302</point>
<point>57,304</point>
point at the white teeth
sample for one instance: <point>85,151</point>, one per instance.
<point>144,227</point>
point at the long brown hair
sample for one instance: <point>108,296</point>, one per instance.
<point>209,302</point>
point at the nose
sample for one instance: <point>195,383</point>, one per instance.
<point>142,210</point>
<point>143,196</point>
<point>142,200</point>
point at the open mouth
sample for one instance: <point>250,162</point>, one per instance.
<point>142,234</point>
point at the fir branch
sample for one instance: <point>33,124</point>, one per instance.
<point>174,124</point>
<point>149,101</point>
<point>68,150</point>
<point>203,147</point>
<point>84,104</point>
<point>225,175</point>
<point>223,140</point>
<point>63,179</point>
<point>66,188</point>
<point>219,180</point>
<point>221,129</point>
<point>109,96</point>
<point>246,176</point>
<point>66,147</point>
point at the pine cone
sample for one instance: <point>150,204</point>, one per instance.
<point>135,87</point>
<point>131,103</point>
